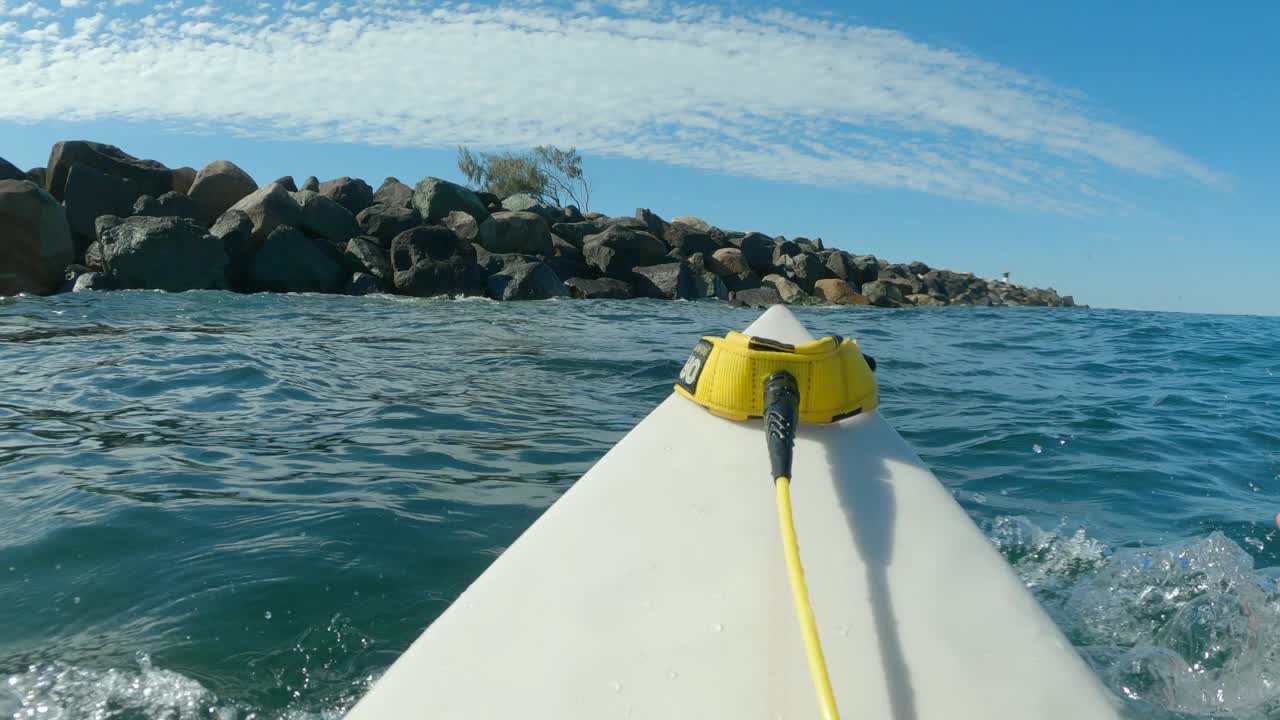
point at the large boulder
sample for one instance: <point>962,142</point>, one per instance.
<point>693,222</point>
<point>599,289</point>
<point>525,281</point>
<point>393,193</point>
<point>35,240</point>
<point>430,260</point>
<point>170,204</point>
<point>39,176</point>
<point>165,253</point>
<point>687,241</point>
<point>323,217</point>
<point>654,224</point>
<point>363,284</point>
<point>614,252</point>
<point>670,281</point>
<point>757,297</point>
<point>291,261</point>
<point>235,231</point>
<point>491,262</point>
<point>464,226</point>
<point>883,294</point>
<point>151,177</point>
<point>727,261</point>
<point>841,265</point>
<point>89,193</point>
<point>435,198</point>
<point>520,232</point>
<point>577,232</point>
<point>385,222</point>
<point>219,186</point>
<point>311,184</point>
<point>353,194</point>
<point>868,267</point>
<point>920,300</point>
<point>524,202</point>
<point>183,178</point>
<point>97,281</point>
<point>757,248</point>
<point>790,292</point>
<point>287,183</point>
<point>838,292</point>
<point>9,171</point>
<point>371,257</point>
<point>747,280</point>
<point>269,208</point>
<point>709,285</point>
<point>804,270</point>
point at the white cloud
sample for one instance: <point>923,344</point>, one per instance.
<point>771,95</point>
<point>71,3</point>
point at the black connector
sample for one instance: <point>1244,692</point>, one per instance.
<point>781,413</point>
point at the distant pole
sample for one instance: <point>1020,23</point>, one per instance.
<point>1006,277</point>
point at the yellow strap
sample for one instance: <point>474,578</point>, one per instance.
<point>804,610</point>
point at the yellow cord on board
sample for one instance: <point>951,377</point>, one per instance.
<point>804,610</point>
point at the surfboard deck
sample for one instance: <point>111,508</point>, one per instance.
<point>656,588</point>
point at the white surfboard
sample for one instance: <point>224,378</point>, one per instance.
<point>656,588</point>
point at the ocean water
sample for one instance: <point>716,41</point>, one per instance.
<point>226,506</point>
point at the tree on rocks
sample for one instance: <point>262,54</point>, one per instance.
<point>546,173</point>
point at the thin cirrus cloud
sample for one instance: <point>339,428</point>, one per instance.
<point>765,94</point>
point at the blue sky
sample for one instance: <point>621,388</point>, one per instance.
<point>1120,152</point>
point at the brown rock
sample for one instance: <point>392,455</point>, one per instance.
<point>838,292</point>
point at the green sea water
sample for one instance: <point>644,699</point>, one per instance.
<point>246,506</point>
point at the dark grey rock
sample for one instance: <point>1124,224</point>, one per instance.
<point>170,204</point>
<point>35,240</point>
<point>654,224</point>
<point>89,193</point>
<point>687,241</point>
<point>323,217</point>
<point>269,208</point>
<point>572,214</point>
<point>757,297</point>
<point>353,194</point>
<point>883,294</point>
<point>489,198</point>
<point>748,280</point>
<point>39,176</point>
<point>671,281</point>
<point>917,268</point>
<point>599,289</point>
<point>235,230</point>
<point>172,254</point>
<point>804,270</point>
<point>435,198</point>
<point>150,177</point>
<point>385,222</point>
<point>9,171</point>
<point>393,193</point>
<point>372,256</point>
<point>430,260</point>
<point>576,232</point>
<point>98,281</point>
<point>491,263</point>
<point>757,249</point>
<point>287,183</point>
<point>524,202</point>
<point>464,226</point>
<point>697,263</point>
<point>218,187</point>
<point>789,291</point>
<point>525,281</point>
<point>626,223</point>
<point>362,284</point>
<point>568,267</point>
<point>311,184</point>
<point>710,285</point>
<point>291,261</point>
<point>616,251</point>
<point>520,232</point>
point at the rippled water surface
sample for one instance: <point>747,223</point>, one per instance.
<point>226,506</point>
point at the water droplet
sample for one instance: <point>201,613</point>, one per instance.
<point>716,627</point>
<point>1062,442</point>
<point>76,600</point>
<point>980,498</point>
<point>1037,449</point>
<point>615,686</point>
<point>672,674</point>
<point>267,614</point>
<point>844,631</point>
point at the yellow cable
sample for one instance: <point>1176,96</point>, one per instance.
<point>804,610</point>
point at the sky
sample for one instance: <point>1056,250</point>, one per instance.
<point>1123,153</point>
